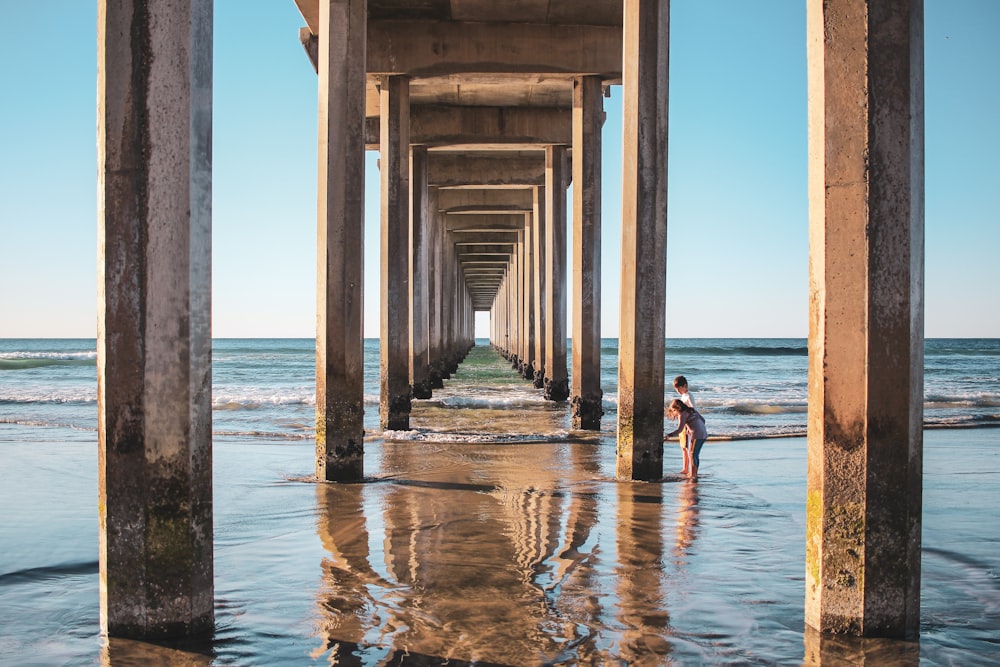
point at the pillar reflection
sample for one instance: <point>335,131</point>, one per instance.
<point>349,599</point>
<point>470,553</point>
<point>642,610</point>
<point>825,650</point>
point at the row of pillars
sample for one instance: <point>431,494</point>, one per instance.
<point>154,333</point>
<point>528,314</point>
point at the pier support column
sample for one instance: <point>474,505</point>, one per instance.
<point>340,432</point>
<point>434,303</point>
<point>154,345</point>
<point>420,211</point>
<point>538,232</point>
<point>866,195</point>
<point>528,344</point>
<point>644,239</point>
<point>556,380</point>
<point>588,117</point>
<point>394,143</point>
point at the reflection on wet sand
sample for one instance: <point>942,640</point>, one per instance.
<point>117,652</point>
<point>482,555</point>
<point>828,650</point>
<point>642,603</point>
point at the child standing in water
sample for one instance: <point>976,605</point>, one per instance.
<point>692,424</point>
<point>681,387</point>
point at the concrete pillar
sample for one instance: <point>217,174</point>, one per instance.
<point>419,212</point>
<point>394,143</point>
<point>538,231</point>
<point>588,117</point>
<point>516,281</point>
<point>866,194</point>
<point>154,344</point>
<point>448,306</point>
<point>556,380</point>
<point>644,239</point>
<point>340,242</point>
<point>434,303</point>
<point>528,346</point>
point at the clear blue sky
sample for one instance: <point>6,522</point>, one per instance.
<point>738,209</point>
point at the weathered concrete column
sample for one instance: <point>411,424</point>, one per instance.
<point>394,143</point>
<point>538,232</point>
<point>340,396</point>
<point>556,380</point>
<point>154,344</point>
<point>419,213</point>
<point>644,240</point>
<point>434,304</point>
<point>866,194</point>
<point>516,282</point>
<point>449,294</point>
<point>588,117</point>
<point>528,345</point>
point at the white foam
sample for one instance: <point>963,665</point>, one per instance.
<point>59,356</point>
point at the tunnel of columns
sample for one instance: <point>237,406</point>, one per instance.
<point>483,113</point>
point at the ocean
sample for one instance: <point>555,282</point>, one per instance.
<point>491,533</point>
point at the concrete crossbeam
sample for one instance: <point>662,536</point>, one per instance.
<point>504,169</point>
<point>485,200</point>
<point>453,125</point>
<point>414,48</point>
<point>492,222</point>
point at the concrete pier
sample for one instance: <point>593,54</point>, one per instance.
<point>588,118</point>
<point>866,199</point>
<point>154,343</point>
<point>644,240</point>
<point>340,242</point>
<point>394,368</point>
<point>483,113</point>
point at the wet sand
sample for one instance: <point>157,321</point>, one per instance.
<point>522,553</point>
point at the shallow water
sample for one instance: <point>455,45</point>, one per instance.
<point>503,550</point>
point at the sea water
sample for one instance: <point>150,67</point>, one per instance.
<point>265,388</point>
<point>491,533</point>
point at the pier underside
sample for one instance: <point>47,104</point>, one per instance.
<point>483,114</point>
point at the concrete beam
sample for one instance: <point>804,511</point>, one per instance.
<point>452,125</point>
<point>485,201</point>
<point>866,214</point>
<point>492,222</point>
<point>415,48</point>
<point>453,170</point>
<point>154,346</point>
